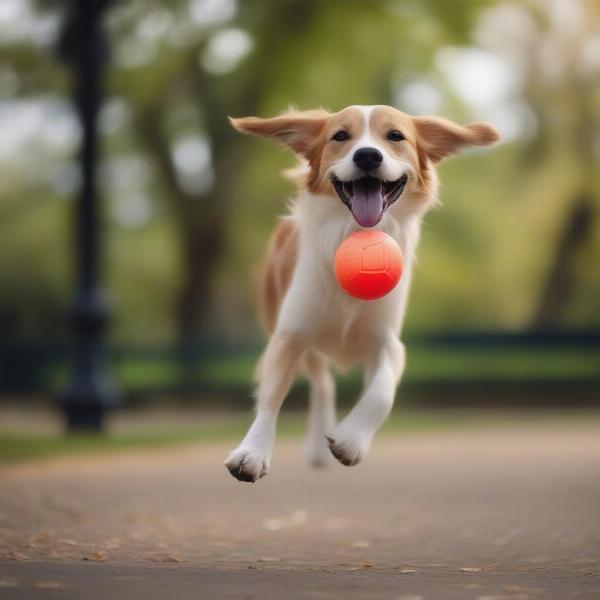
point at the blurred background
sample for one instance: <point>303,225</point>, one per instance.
<point>505,306</point>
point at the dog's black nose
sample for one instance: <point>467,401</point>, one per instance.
<point>367,158</point>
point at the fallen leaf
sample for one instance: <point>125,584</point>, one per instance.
<point>504,597</point>
<point>16,556</point>
<point>48,585</point>
<point>113,543</point>
<point>268,559</point>
<point>41,536</point>
<point>538,560</point>
<point>360,544</point>
<point>471,570</point>
<point>521,589</point>
<point>273,524</point>
<point>364,565</point>
<point>168,557</point>
<point>298,517</point>
<point>99,556</point>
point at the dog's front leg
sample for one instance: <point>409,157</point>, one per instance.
<point>351,439</point>
<point>250,460</point>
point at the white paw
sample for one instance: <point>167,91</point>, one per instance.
<point>247,465</point>
<point>317,452</point>
<point>348,446</point>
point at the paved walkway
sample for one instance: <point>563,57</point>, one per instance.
<point>482,515</point>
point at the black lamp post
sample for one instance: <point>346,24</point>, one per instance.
<point>91,391</point>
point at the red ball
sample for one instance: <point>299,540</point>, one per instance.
<point>368,264</point>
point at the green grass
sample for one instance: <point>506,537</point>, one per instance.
<point>226,377</point>
<point>206,429</point>
<point>199,428</point>
<point>22,445</point>
<point>424,365</point>
<point>428,366</point>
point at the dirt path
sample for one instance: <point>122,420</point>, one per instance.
<point>484,515</point>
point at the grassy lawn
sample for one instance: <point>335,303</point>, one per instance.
<point>227,379</point>
<point>426,365</point>
<point>137,431</point>
<point>20,445</point>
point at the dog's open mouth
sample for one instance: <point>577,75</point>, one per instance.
<point>369,197</point>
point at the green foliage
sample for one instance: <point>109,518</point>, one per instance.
<point>484,257</point>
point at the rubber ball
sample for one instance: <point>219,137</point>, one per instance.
<point>368,264</point>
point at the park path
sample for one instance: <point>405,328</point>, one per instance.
<point>485,515</point>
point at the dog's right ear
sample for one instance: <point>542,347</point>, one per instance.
<point>296,130</point>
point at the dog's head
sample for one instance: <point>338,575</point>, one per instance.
<point>368,156</point>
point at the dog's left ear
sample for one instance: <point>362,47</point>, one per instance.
<point>439,137</point>
<point>297,130</point>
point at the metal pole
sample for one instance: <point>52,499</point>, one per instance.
<point>91,391</point>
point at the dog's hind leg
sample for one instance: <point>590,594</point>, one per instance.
<point>250,460</point>
<point>321,416</point>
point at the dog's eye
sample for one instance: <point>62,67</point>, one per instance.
<point>395,136</point>
<point>341,136</point>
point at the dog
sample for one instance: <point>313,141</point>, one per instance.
<point>361,167</point>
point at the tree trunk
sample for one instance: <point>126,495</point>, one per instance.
<point>202,244</point>
<point>559,283</point>
<point>203,225</point>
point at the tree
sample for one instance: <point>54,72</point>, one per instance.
<point>290,39</point>
<point>556,46</point>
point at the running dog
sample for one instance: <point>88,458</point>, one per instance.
<point>364,166</point>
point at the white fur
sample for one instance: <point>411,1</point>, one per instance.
<point>390,169</point>
<point>318,323</point>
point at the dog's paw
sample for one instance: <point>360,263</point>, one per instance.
<point>246,465</point>
<point>349,449</point>
<point>318,454</point>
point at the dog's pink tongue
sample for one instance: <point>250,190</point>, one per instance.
<point>367,202</point>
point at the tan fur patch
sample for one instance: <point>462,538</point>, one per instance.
<point>326,153</point>
<point>440,138</point>
<point>277,270</point>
